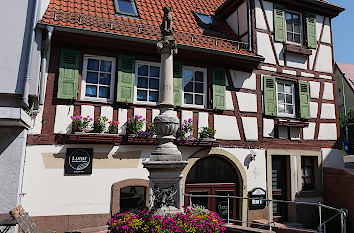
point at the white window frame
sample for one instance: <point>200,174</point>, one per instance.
<point>148,63</point>
<point>204,71</point>
<point>84,75</point>
<point>293,99</point>
<point>301,28</point>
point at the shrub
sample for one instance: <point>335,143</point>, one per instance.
<point>192,220</point>
<point>99,125</point>
<point>207,133</point>
<point>135,124</point>
<point>113,127</point>
<point>80,123</point>
<point>184,130</point>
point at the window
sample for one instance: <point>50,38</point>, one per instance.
<point>293,27</point>
<point>126,7</point>
<point>194,86</point>
<point>205,21</point>
<point>98,78</point>
<point>132,197</point>
<point>307,168</point>
<point>285,99</point>
<point>147,82</point>
<point>339,92</point>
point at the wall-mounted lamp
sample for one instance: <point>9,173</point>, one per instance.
<point>252,155</point>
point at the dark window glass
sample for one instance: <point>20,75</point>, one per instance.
<point>92,64</point>
<point>142,82</point>
<point>148,83</point>
<point>293,27</point>
<point>91,91</point>
<point>105,79</point>
<point>142,95</point>
<point>307,169</point>
<point>106,66</point>
<point>132,197</point>
<point>92,77</point>
<point>104,92</point>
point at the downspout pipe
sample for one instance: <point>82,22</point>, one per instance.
<point>249,26</point>
<point>29,56</point>
<point>44,65</point>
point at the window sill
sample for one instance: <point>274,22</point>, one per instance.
<point>290,122</point>
<point>129,140</point>
<point>297,49</point>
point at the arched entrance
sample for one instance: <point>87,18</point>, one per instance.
<point>214,175</point>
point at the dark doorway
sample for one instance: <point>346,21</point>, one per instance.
<point>214,176</point>
<point>279,187</point>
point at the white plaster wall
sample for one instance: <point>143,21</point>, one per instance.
<point>244,80</point>
<point>260,22</point>
<point>292,72</point>
<point>155,112</point>
<point>296,60</point>
<point>203,120</point>
<point>62,124</point>
<point>264,48</point>
<point>326,36</point>
<point>141,112</point>
<point>107,111</point>
<point>313,109</point>
<point>328,111</point>
<point>314,89</point>
<point>269,68</point>
<point>268,8</point>
<point>268,128</point>
<point>307,74</point>
<point>186,115</point>
<point>250,127</point>
<point>229,105</point>
<point>327,131</point>
<point>325,76</point>
<point>255,170</point>
<point>332,158</point>
<point>279,52</point>
<point>324,59</point>
<point>36,127</point>
<point>88,110</point>
<point>232,21</point>
<point>242,15</point>
<point>226,127</point>
<point>309,132</point>
<point>122,118</point>
<point>319,23</point>
<point>328,91</point>
<point>247,102</point>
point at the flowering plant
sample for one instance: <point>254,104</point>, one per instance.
<point>113,127</point>
<point>207,133</point>
<point>99,125</point>
<point>135,124</point>
<point>80,123</point>
<point>194,220</point>
<point>183,133</point>
<point>149,132</point>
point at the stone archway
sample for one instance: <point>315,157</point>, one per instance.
<point>240,181</point>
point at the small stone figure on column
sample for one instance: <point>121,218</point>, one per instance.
<point>165,164</point>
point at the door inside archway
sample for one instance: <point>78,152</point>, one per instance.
<point>213,176</point>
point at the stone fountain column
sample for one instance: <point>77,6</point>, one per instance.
<point>165,164</point>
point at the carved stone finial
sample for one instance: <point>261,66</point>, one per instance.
<point>167,24</point>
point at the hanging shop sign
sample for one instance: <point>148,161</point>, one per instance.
<point>258,195</point>
<point>78,161</point>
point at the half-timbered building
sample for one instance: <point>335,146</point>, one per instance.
<point>258,72</point>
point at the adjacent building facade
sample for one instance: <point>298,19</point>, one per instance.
<point>258,72</point>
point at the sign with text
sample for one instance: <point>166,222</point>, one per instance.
<point>78,161</point>
<point>257,196</point>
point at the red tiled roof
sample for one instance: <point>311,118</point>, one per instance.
<point>100,15</point>
<point>348,70</point>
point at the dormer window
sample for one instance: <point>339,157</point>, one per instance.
<point>126,7</point>
<point>205,21</point>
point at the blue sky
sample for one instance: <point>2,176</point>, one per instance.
<point>343,32</point>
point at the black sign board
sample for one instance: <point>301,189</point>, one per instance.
<point>257,196</point>
<point>78,161</point>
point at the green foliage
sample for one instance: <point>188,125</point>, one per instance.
<point>80,123</point>
<point>135,124</point>
<point>99,125</point>
<point>113,127</point>
<point>207,133</point>
<point>184,130</point>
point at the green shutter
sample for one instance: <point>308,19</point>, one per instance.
<point>68,74</point>
<point>219,88</point>
<point>279,23</point>
<point>270,96</point>
<point>126,77</point>
<point>304,93</point>
<point>311,30</point>
<point>177,83</point>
